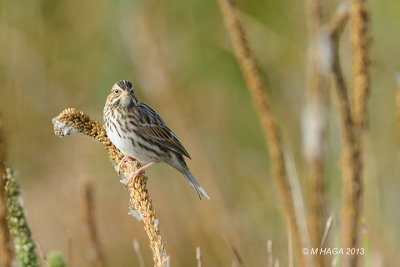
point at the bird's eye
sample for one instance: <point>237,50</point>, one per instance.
<point>116,91</point>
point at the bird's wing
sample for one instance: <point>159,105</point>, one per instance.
<point>152,126</point>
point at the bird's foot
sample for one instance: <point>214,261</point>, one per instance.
<point>139,171</point>
<point>133,177</point>
<point>122,163</point>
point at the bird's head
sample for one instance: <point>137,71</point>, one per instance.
<point>122,94</point>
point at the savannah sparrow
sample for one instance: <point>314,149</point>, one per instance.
<point>140,133</point>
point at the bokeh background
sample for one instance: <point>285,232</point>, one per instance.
<point>56,54</point>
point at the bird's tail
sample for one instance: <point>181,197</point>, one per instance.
<point>195,185</point>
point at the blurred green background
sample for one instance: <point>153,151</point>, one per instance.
<point>56,54</point>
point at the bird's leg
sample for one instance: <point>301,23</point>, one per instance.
<point>122,163</point>
<point>138,171</point>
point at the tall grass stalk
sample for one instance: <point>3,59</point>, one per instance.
<point>319,60</point>
<point>198,256</point>
<point>262,107</point>
<point>71,122</point>
<point>353,184</point>
<point>138,251</point>
<point>90,222</point>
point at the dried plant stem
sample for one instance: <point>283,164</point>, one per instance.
<point>316,205</point>
<point>328,226</point>
<point>142,204</point>
<point>270,254</point>
<point>352,120</point>
<point>90,221</point>
<point>338,23</point>
<point>237,261</point>
<point>139,254</point>
<point>198,256</point>
<point>6,254</point>
<point>341,91</point>
<point>262,107</point>
<point>353,184</point>
<point>314,14</point>
<point>316,102</point>
<point>360,39</point>
<point>290,249</point>
<point>70,122</point>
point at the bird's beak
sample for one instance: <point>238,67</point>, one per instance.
<point>126,93</point>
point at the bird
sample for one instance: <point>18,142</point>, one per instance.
<point>140,133</point>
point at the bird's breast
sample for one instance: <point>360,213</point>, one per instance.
<point>130,142</point>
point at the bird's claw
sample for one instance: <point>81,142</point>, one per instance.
<point>133,177</point>
<point>122,163</point>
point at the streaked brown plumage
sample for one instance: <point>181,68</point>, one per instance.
<point>139,132</point>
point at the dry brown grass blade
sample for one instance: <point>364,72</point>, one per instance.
<point>328,226</point>
<point>360,39</point>
<point>71,122</point>
<point>198,256</point>
<point>270,254</point>
<point>317,71</point>
<point>353,184</point>
<point>343,101</point>
<point>352,119</point>
<point>90,221</point>
<point>339,21</point>
<point>6,254</point>
<point>290,249</point>
<point>237,261</point>
<point>139,254</point>
<point>314,14</point>
<point>341,92</point>
<point>349,156</point>
<point>262,107</point>
<point>316,193</point>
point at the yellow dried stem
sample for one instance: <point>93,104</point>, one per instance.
<point>316,205</point>
<point>268,123</point>
<point>139,254</point>
<point>198,256</point>
<point>314,13</point>
<point>352,120</point>
<point>71,122</point>
<point>343,102</point>
<point>339,22</point>
<point>90,221</point>
<point>360,39</point>
<point>316,102</point>
<point>270,254</point>
<point>353,183</point>
<point>142,204</point>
